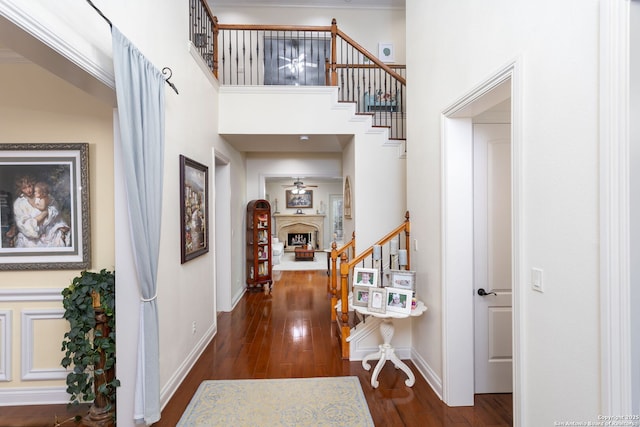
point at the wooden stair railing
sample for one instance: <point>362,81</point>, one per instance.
<point>346,267</point>
<point>333,282</point>
<point>238,54</point>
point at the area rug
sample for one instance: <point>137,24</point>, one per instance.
<point>325,401</point>
<point>288,263</point>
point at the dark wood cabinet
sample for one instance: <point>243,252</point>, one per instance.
<point>258,238</point>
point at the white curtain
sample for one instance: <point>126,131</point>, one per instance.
<point>140,95</point>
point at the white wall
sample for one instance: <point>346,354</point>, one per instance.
<point>634,193</point>
<point>556,46</point>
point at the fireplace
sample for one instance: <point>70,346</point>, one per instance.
<point>298,239</point>
<point>297,229</point>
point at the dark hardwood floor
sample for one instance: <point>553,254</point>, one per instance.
<point>288,334</point>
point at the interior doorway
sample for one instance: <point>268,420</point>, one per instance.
<point>493,278</point>
<point>222,234</point>
<point>458,385</point>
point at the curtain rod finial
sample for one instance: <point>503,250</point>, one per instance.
<point>165,71</point>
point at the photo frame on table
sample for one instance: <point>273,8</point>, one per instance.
<point>365,277</point>
<point>304,200</point>
<point>194,209</point>
<point>361,296</point>
<point>44,207</point>
<point>399,300</point>
<point>377,300</point>
<point>402,279</point>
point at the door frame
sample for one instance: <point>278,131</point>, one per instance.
<point>222,233</point>
<point>457,236</point>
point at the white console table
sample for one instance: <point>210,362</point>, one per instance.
<point>386,351</point>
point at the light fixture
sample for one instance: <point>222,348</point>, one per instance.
<point>304,138</point>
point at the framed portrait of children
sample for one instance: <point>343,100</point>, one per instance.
<point>361,296</point>
<point>365,276</point>
<point>398,300</point>
<point>44,206</point>
<point>377,300</point>
<point>402,279</point>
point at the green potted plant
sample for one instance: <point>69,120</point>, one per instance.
<point>90,344</point>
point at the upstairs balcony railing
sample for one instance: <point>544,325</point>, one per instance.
<point>302,55</point>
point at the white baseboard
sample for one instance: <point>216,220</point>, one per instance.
<point>427,373</point>
<point>178,377</point>
<point>34,396</point>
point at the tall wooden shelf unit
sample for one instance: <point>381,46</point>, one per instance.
<point>258,237</point>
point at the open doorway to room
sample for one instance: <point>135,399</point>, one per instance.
<point>480,243</point>
<point>222,234</point>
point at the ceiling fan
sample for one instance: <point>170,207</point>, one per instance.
<point>298,187</point>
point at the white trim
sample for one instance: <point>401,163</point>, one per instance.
<point>457,381</point>
<point>427,372</point>
<point>14,12</point>
<point>42,294</point>
<point>185,367</point>
<point>29,373</point>
<point>6,335</point>
<point>24,396</point>
<point>615,286</point>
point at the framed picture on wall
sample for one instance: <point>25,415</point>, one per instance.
<point>295,201</point>
<point>194,209</point>
<point>44,207</point>
<point>295,61</point>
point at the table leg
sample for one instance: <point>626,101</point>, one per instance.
<point>386,352</point>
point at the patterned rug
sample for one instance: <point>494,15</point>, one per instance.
<point>288,263</point>
<point>326,401</point>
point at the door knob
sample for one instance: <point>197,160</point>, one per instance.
<point>484,293</point>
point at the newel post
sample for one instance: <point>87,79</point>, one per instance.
<point>333,281</point>
<point>344,318</point>
<point>215,46</point>
<point>334,36</point>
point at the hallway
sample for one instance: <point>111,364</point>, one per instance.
<point>289,334</point>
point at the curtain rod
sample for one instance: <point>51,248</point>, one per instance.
<point>165,70</point>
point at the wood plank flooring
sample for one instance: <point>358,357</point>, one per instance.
<point>288,334</point>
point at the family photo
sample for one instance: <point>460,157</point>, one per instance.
<point>36,212</point>
<point>42,219</point>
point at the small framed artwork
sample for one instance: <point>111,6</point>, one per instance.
<point>194,209</point>
<point>304,200</point>
<point>385,52</point>
<point>365,277</point>
<point>44,207</point>
<point>361,295</point>
<point>402,279</point>
<point>377,300</point>
<point>347,198</point>
<point>399,300</point>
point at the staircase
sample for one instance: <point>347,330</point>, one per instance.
<point>388,253</point>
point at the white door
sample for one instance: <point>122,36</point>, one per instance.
<point>492,258</point>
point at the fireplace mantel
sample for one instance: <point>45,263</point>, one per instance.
<point>300,223</point>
